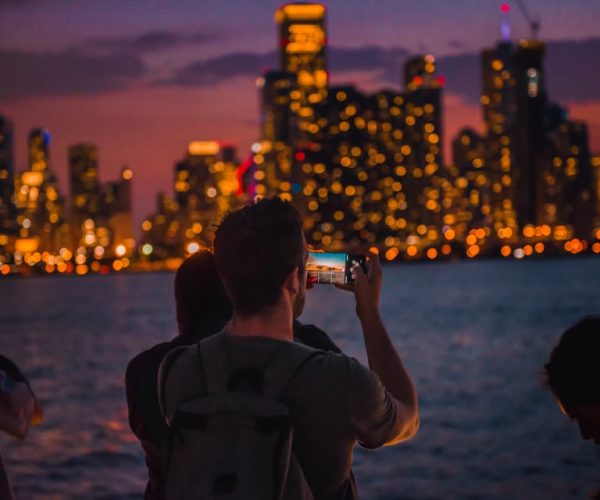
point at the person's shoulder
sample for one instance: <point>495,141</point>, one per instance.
<point>336,365</point>
<point>149,358</point>
<point>313,336</point>
<point>178,361</point>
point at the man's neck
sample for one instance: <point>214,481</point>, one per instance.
<point>275,323</point>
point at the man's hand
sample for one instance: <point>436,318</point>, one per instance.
<point>366,287</point>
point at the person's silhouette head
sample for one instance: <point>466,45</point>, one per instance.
<point>199,295</point>
<point>259,251</point>
<point>573,374</point>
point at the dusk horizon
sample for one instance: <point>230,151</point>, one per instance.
<point>141,97</point>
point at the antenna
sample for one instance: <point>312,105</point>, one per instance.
<point>505,24</point>
<point>534,24</point>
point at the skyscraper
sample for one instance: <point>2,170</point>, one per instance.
<point>303,42</point>
<point>530,133</point>
<point>422,139</point>
<point>84,186</point>
<point>273,153</point>
<point>498,103</point>
<point>39,203</point>
<point>116,210</point>
<point>7,182</point>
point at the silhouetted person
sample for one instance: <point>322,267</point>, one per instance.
<point>333,400</point>
<point>573,374</point>
<point>202,309</point>
<point>19,409</point>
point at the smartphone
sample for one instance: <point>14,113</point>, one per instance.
<point>333,268</point>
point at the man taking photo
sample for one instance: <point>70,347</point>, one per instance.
<point>333,400</point>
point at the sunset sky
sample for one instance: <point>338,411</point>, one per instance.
<point>141,78</point>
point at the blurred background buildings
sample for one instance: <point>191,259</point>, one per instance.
<point>362,168</point>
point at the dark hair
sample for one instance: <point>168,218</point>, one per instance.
<point>573,371</point>
<point>256,248</point>
<point>199,294</point>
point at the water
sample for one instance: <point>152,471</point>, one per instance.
<point>474,335</point>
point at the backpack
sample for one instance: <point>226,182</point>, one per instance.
<point>223,442</point>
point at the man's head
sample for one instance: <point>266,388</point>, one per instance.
<point>261,252</point>
<point>574,375</point>
<point>199,294</point>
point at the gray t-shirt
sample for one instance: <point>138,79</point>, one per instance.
<point>333,400</point>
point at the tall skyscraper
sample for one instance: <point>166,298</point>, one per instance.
<point>530,137</point>
<point>39,203</point>
<point>84,186</point>
<point>303,42</point>
<point>206,186</point>
<point>422,138</point>
<point>116,209</point>
<point>273,153</point>
<point>499,114</point>
<point>7,181</point>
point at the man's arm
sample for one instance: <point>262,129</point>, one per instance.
<point>383,357</point>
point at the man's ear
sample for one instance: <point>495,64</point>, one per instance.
<point>292,282</point>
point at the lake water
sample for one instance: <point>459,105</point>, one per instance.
<point>474,335</point>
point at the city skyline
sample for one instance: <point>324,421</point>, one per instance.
<point>156,162</point>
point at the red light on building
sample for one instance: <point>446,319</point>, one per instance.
<point>417,80</point>
<point>505,7</point>
<point>441,80</point>
<point>300,156</point>
<point>242,169</point>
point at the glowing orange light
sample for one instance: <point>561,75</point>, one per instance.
<point>81,269</point>
<point>506,251</point>
<point>596,247</point>
<point>539,247</point>
<point>472,251</point>
<point>446,249</point>
<point>391,253</point>
<point>471,239</point>
<point>117,265</point>
<point>411,251</point>
<point>25,245</point>
<point>5,269</point>
<point>528,231</point>
<point>201,148</point>
<point>432,253</point>
<point>450,234</point>
<point>528,250</point>
<point>374,250</point>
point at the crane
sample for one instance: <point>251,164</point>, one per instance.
<point>534,24</point>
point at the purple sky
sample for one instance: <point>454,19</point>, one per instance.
<point>142,78</point>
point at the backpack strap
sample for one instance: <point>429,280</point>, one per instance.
<point>163,374</point>
<point>214,363</point>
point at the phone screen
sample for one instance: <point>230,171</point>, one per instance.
<point>332,268</point>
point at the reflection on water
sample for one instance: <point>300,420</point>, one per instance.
<point>473,334</point>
